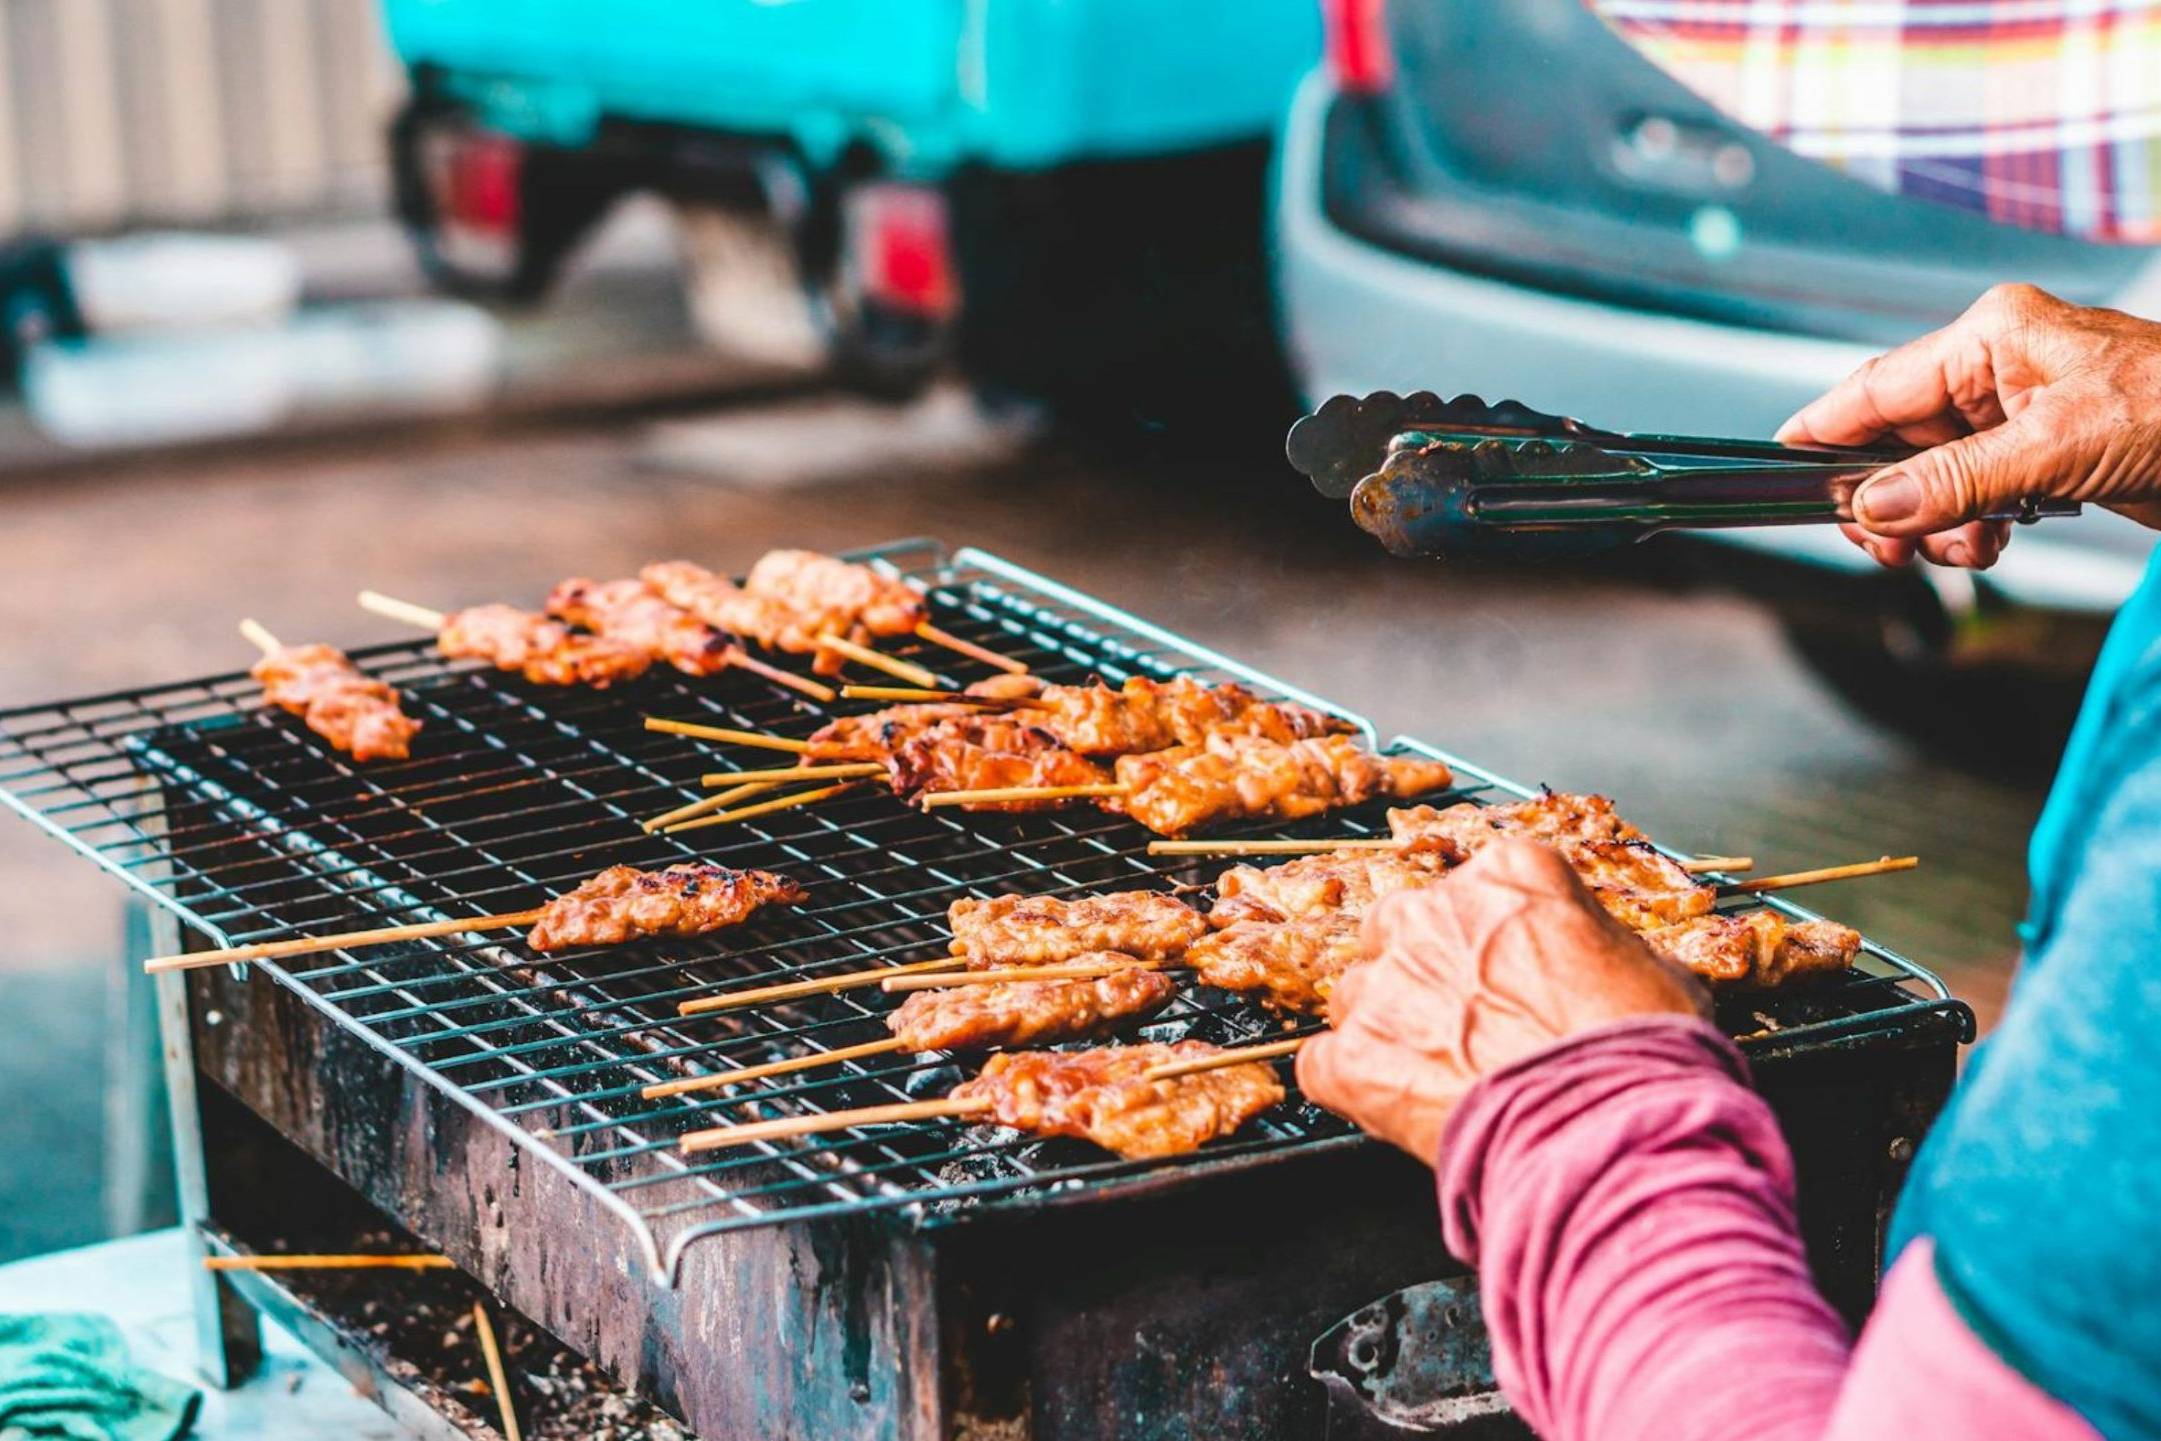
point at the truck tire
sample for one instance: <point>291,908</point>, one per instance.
<point>1125,295</point>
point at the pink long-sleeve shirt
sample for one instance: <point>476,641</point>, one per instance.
<point>1628,1202</point>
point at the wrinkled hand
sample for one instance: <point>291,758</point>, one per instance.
<point>2023,395</point>
<point>1507,956</point>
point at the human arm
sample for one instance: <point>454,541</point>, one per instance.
<point>2023,395</point>
<point>1627,1199</point>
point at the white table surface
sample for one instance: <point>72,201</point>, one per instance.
<point>142,1284</point>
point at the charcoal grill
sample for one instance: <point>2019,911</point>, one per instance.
<point>925,1280</point>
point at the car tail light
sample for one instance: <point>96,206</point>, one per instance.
<point>481,183</point>
<point>902,249</point>
<point>1358,55</point>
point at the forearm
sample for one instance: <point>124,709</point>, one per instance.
<point>1629,1204</point>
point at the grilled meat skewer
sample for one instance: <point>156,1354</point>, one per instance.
<point>987,753</point>
<point>836,595</point>
<point>1243,777</point>
<point>1021,930</point>
<point>1755,948</point>
<point>1104,1096</point>
<point>357,713</point>
<point>544,651</point>
<point>625,612</point>
<point>1026,1013</point>
<point>623,903</point>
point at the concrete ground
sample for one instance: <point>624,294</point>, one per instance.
<point>1682,701</point>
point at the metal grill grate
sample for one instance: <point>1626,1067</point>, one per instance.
<point>249,828</point>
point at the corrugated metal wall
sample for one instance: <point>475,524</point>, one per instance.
<point>124,112</point>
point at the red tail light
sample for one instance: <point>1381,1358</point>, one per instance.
<point>1358,55</point>
<point>903,249</point>
<point>483,183</point>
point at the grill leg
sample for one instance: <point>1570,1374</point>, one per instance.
<point>228,1334</point>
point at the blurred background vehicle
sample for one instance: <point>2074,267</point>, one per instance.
<point>1510,200</point>
<point>1067,197</point>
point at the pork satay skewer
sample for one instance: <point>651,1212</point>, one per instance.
<point>698,731</point>
<point>543,650</point>
<point>627,612</point>
<point>620,904</point>
<point>1102,1095</point>
<point>1024,1013</point>
<point>334,698</point>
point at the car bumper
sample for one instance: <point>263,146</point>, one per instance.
<point>1359,318</point>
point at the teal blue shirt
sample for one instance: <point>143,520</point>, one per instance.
<point>2041,1183</point>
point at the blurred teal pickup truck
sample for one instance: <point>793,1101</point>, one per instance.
<point>1066,195</point>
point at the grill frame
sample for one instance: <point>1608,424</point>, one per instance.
<point>153,796</point>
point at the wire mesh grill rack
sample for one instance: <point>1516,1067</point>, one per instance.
<point>247,826</point>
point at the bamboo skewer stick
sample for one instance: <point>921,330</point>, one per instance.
<point>805,1062</point>
<point>696,731</point>
<point>297,1262</point>
<point>1703,865</point>
<point>1060,971</point>
<point>740,659</point>
<point>706,804</point>
<point>720,1137</point>
<point>795,773</point>
<point>918,695</point>
<point>342,940</point>
<point>877,660</point>
<point>823,985</point>
<point>1818,877</point>
<point>1022,793</point>
<point>258,636</point>
<point>1171,1070</point>
<point>391,608</point>
<point>763,808</point>
<point>498,1378</point>
<point>970,649</point>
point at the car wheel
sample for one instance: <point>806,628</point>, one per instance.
<point>1946,663</point>
<point>1127,296</point>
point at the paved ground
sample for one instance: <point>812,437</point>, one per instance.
<point>1680,700</point>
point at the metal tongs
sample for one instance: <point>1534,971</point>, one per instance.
<point>1433,477</point>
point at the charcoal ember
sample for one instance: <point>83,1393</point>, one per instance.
<point>932,1081</point>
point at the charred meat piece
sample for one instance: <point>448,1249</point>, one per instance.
<point>829,595</point>
<point>1104,1096</point>
<point>724,605</point>
<point>983,753</point>
<point>1148,715</point>
<point>876,735</point>
<point>1344,883</point>
<point>354,712</point>
<point>1547,816</point>
<point>1638,886</point>
<point>1286,965</point>
<point>623,903</point>
<point>1025,1013</point>
<point>625,612</point>
<point>1250,777</point>
<point>1755,948</point>
<point>544,651</point>
<point>1044,930</point>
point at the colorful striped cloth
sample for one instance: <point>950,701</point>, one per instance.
<point>2039,113</point>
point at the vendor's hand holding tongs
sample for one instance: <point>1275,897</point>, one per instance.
<point>1460,477</point>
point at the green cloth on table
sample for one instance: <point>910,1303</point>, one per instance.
<point>69,1376</point>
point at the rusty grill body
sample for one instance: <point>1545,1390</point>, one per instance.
<point>919,1281</point>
